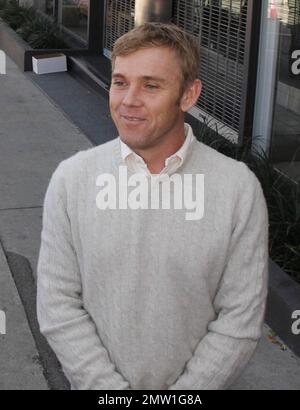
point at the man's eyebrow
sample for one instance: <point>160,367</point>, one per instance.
<point>153,78</point>
<point>118,75</point>
<point>145,77</point>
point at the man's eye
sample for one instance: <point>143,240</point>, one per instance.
<point>119,83</point>
<point>151,86</point>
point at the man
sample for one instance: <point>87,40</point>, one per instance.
<point>138,297</point>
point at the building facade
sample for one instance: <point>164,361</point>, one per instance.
<point>250,60</point>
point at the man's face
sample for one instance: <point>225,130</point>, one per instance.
<point>144,97</point>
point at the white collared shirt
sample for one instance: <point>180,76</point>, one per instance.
<point>136,163</point>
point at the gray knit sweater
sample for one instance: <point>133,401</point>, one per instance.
<point>143,298</point>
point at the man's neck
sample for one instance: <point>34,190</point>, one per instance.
<point>155,157</point>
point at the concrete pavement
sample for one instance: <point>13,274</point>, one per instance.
<point>20,363</point>
<point>35,135</point>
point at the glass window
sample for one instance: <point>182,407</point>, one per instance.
<point>220,28</point>
<point>46,6</point>
<point>285,141</point>
<point>74,16</point>
<point>49,7</point>
<point>119,19</point>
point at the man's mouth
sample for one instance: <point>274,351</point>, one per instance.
<point>132,118</point>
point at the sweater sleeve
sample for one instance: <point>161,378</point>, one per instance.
<point>62,317</point>
<point>240,300</point>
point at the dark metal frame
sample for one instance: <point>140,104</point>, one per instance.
<point>96,26</point>
<point>55,10</point>
<point>251,63</point>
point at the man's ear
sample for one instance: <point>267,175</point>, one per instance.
<point>191,95</point>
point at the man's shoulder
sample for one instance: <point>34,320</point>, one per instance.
<point>217,161</point>
<point>90,157</point>
<point>75,170</point>
<point>224,171</point>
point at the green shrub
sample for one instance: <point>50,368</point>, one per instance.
<point>37,31</point>
<point>2,4</point>
<point>16,15</point>
<point>41,33</point>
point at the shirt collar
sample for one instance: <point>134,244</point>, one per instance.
<point>181,153</point>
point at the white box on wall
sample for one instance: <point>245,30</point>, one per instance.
<point>49,63</point>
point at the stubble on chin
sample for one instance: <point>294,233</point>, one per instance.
<point>136,143</point>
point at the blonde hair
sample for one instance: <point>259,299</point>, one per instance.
<point>162,35</point>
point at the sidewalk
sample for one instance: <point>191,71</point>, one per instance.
<point>35,135</point>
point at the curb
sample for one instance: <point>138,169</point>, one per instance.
<point>22,274</point>
<point>283,300</point>
<point>21,367</point>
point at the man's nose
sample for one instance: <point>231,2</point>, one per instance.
<point>132,97</point>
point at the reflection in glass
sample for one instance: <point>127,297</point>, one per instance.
<point>49,7</point>
<point>46,6</point>
<point>285,145</point>
<point>74,16</point>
